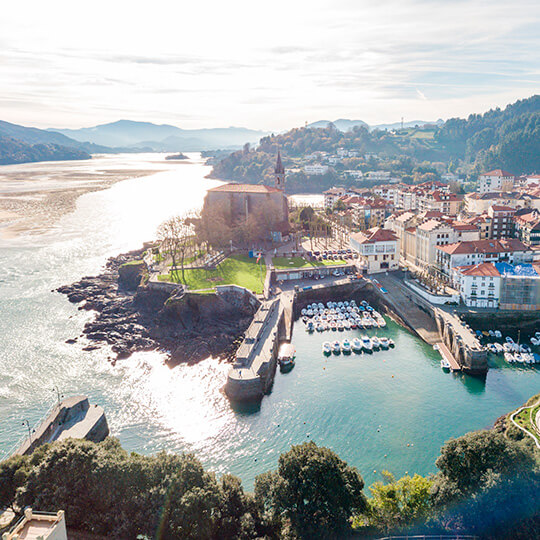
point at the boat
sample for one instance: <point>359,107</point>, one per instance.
<point>535,341</point>
<point>491,348</point>
<point>304,311</point>
<point>491,333</point>
<point>385,344</point>
<point>509,357</point>
<point>310,326</point>
<point>509,340</point>
<point>391,343</point>
<point>356,345</point>
<point>346,346</point>
<point>353,324</point>
<point>336,347</point>
<point>366,344</point>
<point>340,326</point>
<point>327,348</point>
<point>499,348</point>
<point>445,364</point>
<point>507,347</point>
<point>381,322</point>
<point>333,326</point>
<point>376,343</point>
<point>518,357</point>
<point>286,357</point>
<point>498,334</point>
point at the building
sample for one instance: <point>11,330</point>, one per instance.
<point>378,175</point>
<point>479,285</point>
<point>527,227</point>
<point>496,180</point>
<point>316,169</point>
<point>445,202</point>
<point>377,249</point>
<point>398,223</point>
<point>38,525</point>
<point>502,224</point>
<point>470,253</point>
<point>237,202</point>
<point>332,195</point>
<point>499,285</point>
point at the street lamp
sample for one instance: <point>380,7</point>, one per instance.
<point>59,396</point>
<point>27,424</point>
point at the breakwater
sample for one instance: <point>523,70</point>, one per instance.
<point>73,417</point>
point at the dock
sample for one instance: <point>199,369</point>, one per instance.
<point>252,373</point>
<point>448,356</point>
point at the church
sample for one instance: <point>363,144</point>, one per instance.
<point>239,201</point>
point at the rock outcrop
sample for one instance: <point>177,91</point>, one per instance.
<point>133,317</point>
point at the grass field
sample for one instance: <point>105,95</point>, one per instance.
<point>237,270</point>
<point>299,262</point>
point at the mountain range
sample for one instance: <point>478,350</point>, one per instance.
<point>164,137</point>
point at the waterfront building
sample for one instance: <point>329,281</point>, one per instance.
<point>496,180</point>
<point>39,525</point>
<point>499,285</point>
<point>510,250</point>
<point>237,202</point>
<point>377,249</point>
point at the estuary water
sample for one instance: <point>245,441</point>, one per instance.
<point>390,410</point>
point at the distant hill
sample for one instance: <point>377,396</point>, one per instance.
<point>15,151</point>
<point>507,139</point>
<point>347,125</point>
<point>164,137</point>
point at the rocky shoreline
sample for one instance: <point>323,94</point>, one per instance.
<point>132,317</point>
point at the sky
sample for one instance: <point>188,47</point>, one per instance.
<point>263,65</point>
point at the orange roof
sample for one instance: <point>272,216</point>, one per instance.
<point>498,172</point>
<point>376,234</point>
<point>483,269</point>
<point>484,246</point>
<point>245,188</point>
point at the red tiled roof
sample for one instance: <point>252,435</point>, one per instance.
<point>498,172</point>
<point>376,234</point>
<point>483,269</point>
<point>501,208</point>
<point>484,246</point>
<point>245,188</point>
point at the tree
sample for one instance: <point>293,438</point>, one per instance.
<point>13,475</point>
<point>396,504</point>
<point>175,236</point>
<point>313,492</point>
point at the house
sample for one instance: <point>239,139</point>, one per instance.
<point>470,253</point>
<point>332,195</point>
<point>316,169</point>
<point>502,224</point>
<point>378,175</point>
<point>39,525</point>
<point>527,226</point>
<point>445,202</point>
<point>496,180</point>
<point>377,249</point>
<point>502,285</point>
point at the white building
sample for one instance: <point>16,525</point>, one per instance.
<point>470,253</point>
<point>479,285</point>
<point>496,180</point>
<point>377,249</point>
<point>316,169</point>
<point>332,195</point>
<point>379,175</point>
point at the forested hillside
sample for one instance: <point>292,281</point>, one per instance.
<point>14,151</point>
<point>508,139</point>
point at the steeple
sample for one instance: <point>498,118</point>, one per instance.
<point>279,173</point>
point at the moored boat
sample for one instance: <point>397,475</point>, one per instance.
<point>376,343</point>
<point>346,346</point>
<point>366,344</point>
<point>385,344</point>
<point>356,345</point>
<point>286,357</point>
<point>327,348</point>
<point>336,347</point>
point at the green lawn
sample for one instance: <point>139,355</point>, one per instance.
<point>281,263</point>
<point>238,270</point>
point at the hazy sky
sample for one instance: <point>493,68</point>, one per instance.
<point>267,65</point>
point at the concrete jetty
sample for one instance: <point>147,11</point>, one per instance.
<point>73,417</point>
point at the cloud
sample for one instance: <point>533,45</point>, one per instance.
<point>421,95</point>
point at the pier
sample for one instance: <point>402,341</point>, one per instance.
<point>253,371</point>
<point>448,356</point>
<point>73,417</point>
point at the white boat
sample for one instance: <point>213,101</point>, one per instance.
<point>304,311</point>
<point>286,356</point>
<point>309,326</point>
<point>336,347</point>
<point>366,344</point>
<point>327,348</point>
<point>509,340</point>
<point>509,357</point>
<point>499,348</point>
<point>340,326</point>
<point>385,344</point>
<point>381,322</point>
<point>518,357</point>
<point>391,343</point>
<point>376,343</point>
<point>356,345</point>
<point>445,364</point>
<point>346,346</point>
<point>508,347</point>
<point>491,333</point>
<point>535,342</point>
<point>498,334</point>
<point>491,348</point>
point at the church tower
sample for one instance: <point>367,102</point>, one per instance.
<point>279,173</point>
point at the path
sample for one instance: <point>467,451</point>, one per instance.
<point>535,437</point>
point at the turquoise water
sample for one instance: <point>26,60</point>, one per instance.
<point>349,403</point>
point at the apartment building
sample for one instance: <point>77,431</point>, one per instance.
<point>502,223</point>
<point>377,249</point>
<point>496,180</point>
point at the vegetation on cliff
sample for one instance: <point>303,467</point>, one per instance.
<point>15,151</point>
<point>486,484</point>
